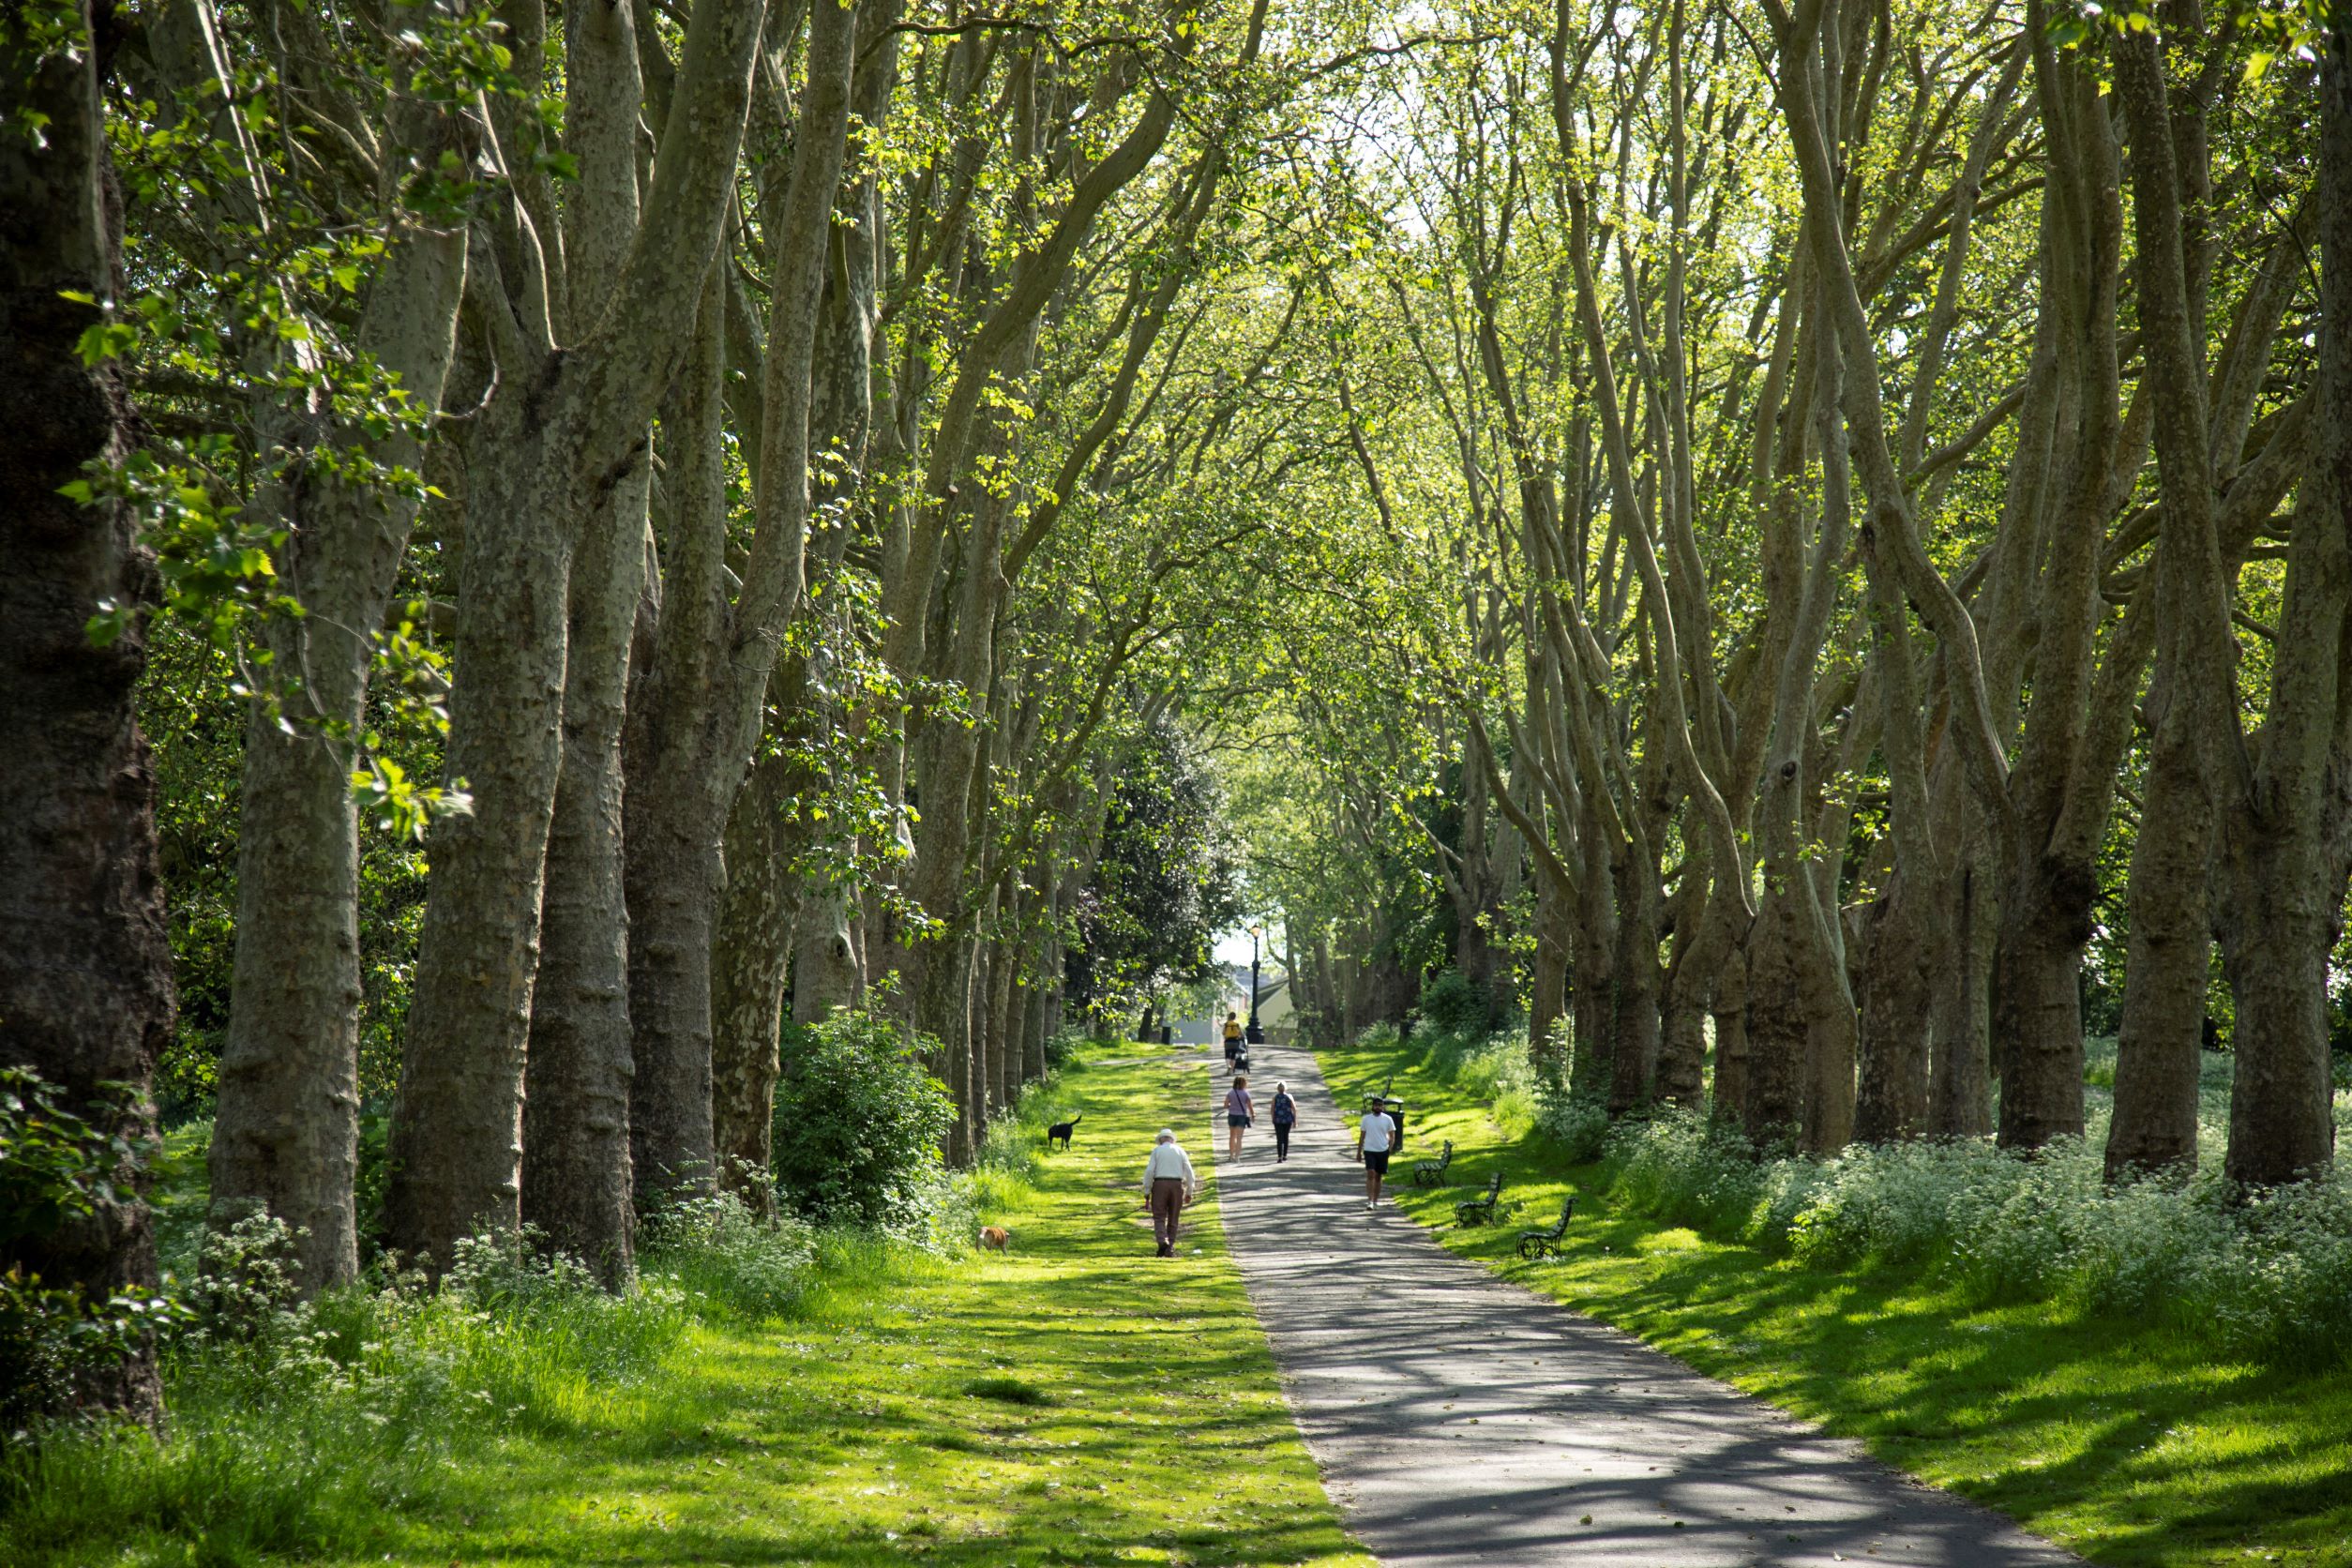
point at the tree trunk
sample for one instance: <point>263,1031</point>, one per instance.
<point>1779,1020</point>
<point>2168,962</point>
<point>1890,1101</point>
<point>1960,1066</point>
<point>1634,1021</point>
<point>579,1178</point>
<point>85,969</point>
<point>751,949</point>
<point>286,1116</point>
<point>1733,1084</point>
<point>2286,848</point>
<point>566,426</point>
<point>1547,986</point>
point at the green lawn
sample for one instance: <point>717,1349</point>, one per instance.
<point>2127,1445</point>
<point>1077,1401</point>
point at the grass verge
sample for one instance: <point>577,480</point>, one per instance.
<point>1073,1401</point>
<point>2129,1445</point>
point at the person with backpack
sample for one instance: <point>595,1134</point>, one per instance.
<point>1232,1036</point>
<point>1286,1116</point>
<point>1240,1111</point>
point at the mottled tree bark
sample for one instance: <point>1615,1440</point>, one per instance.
<point>577,1170</point>
<point>286,1117</point>
<point>750,956</point>
<point>567,425</point>
<point>85,970</point>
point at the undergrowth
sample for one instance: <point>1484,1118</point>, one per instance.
<point>2264,1276</point>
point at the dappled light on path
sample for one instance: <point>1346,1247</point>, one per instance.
<point>1460,1420</point>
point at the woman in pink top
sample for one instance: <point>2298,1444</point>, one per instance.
<point>1239,1113</point>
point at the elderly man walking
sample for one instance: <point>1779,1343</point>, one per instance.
<point>1169,1184</point>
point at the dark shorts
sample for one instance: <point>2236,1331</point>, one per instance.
<point>1375,1161</point>
<point>1237,1120</point>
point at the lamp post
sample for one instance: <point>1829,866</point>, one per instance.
<point>1255,932</point>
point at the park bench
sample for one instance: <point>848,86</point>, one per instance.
<point>1431,1173</point>
<point>1536,1244</point>
<point>1375,1101</point>
<point>1477,1210</point>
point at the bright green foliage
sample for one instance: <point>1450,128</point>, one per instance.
<point>858,1123</point>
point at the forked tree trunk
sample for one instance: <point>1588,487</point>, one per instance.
<point>2286,848</point>
<point>566,427</point>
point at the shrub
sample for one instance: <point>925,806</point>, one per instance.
<point>1455,1004</point>
<point>1578,1123</point>
<point>858,1124</point>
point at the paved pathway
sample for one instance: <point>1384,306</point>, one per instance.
<point>1458,1419</point>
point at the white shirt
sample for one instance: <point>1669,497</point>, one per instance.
<point>1169,1160</point>
<point>1378,1132</point>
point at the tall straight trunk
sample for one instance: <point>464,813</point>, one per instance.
<point>750,957</point>
<point>1960,1063</point>
<point>580,1179</point>
<point>1634,1023</point>
<point>85,969</point>
<point>286,1118</point>
<point>1730,1088</point>
<point>1892,1097</point>
<point>2169,956</point>
<point>577,1172</point>
<point>1780,1021</point>
<point>2287,838</point>
<point>1033,1028</point>
<point>1547,985</point>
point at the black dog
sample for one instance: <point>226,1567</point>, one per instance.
<point>1062,1130</point>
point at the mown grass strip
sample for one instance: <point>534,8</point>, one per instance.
<point>1075,1400</point>
<point>2126,1444</point>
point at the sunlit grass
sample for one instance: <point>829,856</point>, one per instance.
<point>1075,1400</point>
<point>2129,1445</point>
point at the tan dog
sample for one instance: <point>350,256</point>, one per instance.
<point>996,1237</point>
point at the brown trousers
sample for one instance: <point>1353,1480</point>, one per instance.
<point>1168,1204</point>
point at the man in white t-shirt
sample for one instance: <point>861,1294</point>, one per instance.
<point>1376,1135</point>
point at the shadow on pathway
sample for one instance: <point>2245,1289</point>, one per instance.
<point>1459,1419</point>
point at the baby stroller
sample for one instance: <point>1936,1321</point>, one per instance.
<point>1241,1057</point>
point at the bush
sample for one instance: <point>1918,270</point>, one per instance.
<point>858,1124</point>
<point>1455,1004</point>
